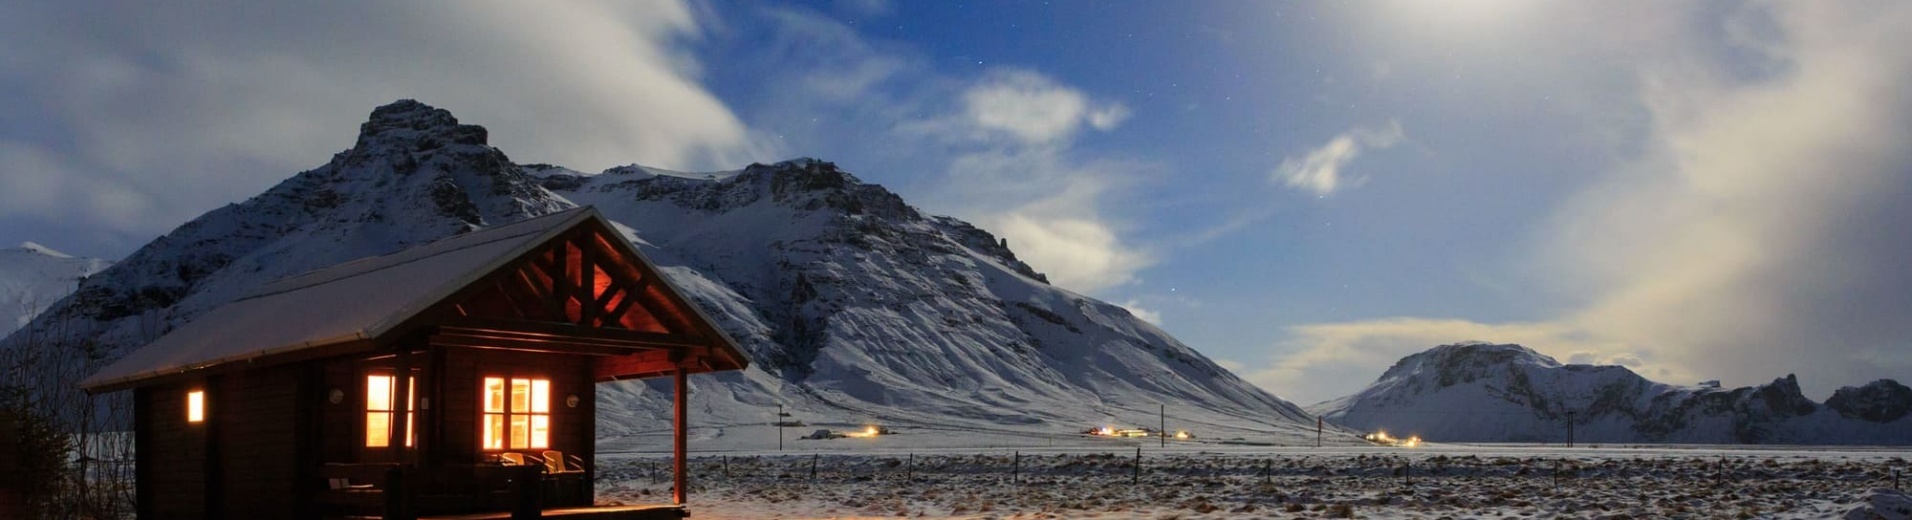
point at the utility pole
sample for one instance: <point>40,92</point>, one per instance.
<point>1317,431</point>
<point>1161,424</point>
<point>780,427</point>
<point>1570,428</point>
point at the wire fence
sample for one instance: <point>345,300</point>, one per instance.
<point>1139,468</point>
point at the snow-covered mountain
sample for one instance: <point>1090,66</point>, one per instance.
<point>1479,392</point>
<point>33,277</point>
<point>852,305</point>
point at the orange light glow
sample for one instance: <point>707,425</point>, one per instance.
<point>1382,437</point>
<point>518,415</point>
<point>381,401</point>
<point>196,406</point>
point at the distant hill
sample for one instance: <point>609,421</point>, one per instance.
<point>1478,392</point>
<point>33,277</point>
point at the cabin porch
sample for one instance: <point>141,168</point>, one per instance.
<point>486,491</point>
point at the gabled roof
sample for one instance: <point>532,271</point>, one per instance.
<point>366,301</point>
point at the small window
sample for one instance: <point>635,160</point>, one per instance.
<point>381,396</point>
<point>196,406</point>
<point>516,415</point>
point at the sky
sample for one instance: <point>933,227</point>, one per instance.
<point>1303,191</point>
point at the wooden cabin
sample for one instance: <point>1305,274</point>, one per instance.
<point>452,378</point>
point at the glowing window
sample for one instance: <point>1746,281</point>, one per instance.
<point>196,406</point>
<point>381,396</point>
<point>517,413</point>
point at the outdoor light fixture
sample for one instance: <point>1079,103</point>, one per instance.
<point>571,400</point>
<point>337,396</point>
<point>196,406</point>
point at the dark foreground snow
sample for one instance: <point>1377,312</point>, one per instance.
<point>1188,483</point>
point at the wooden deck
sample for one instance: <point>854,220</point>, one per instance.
<point>653,512</point>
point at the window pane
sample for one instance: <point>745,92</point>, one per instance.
<point>378,429</point>
<point>520,395</point>
<point>378,393</point>
<point>540,396</point>
<point>494,395</point>
<point>494,432</point>
<point>520,432</point>
<point>411,403</point>
<point>540,431</point>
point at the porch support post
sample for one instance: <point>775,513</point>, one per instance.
<point>680,465</point>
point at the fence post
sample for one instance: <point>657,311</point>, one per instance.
<point>909,472</point>
<point>813,466</point>
<point>1137,477</point>
<point>726,466</point>
<point>1015,469</point>
<point>1268,471</point>
<point>1556,474</point>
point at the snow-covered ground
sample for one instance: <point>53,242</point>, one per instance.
<point>936,475</point>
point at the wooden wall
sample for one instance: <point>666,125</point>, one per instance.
<point>171,454</point>
<point>267,430</point>
<point>574,430</point>
<point>243,461</point>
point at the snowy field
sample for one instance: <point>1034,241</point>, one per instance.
<point>982,476</point>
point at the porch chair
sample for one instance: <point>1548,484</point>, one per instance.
<point>554,463</point>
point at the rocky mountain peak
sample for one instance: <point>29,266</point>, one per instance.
<point>410,119</point>
<point>1879,401</point>
<point>1465,360</point>
<point>1783,397</point>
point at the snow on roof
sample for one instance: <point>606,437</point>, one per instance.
<point>356,300</point>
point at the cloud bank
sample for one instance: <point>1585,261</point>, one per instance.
<point>1757,232</point>
<point>138,116</point>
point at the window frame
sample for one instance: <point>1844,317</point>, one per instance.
<point>503,433</point>
<point>391,403</point>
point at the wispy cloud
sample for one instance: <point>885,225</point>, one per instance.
<point>1005,143</point>
<point>1320,171</point>
<point>186,111</point>
<point>1033,109</point>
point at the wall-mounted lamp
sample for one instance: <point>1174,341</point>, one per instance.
<point>336,396</point>
<point>571,400</point>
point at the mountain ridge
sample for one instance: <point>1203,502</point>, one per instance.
<point>854,303</point>
<point>1483,392</point>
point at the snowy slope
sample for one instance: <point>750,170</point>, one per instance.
<point>33,277</point>
<point>1507,393</point>
<point>862,305</point>
<point>852,305</point>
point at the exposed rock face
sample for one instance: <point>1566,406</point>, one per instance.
<point>1881,401</point>
<point>1483,392</point>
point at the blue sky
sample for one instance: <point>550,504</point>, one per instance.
<point>1306,191</point>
